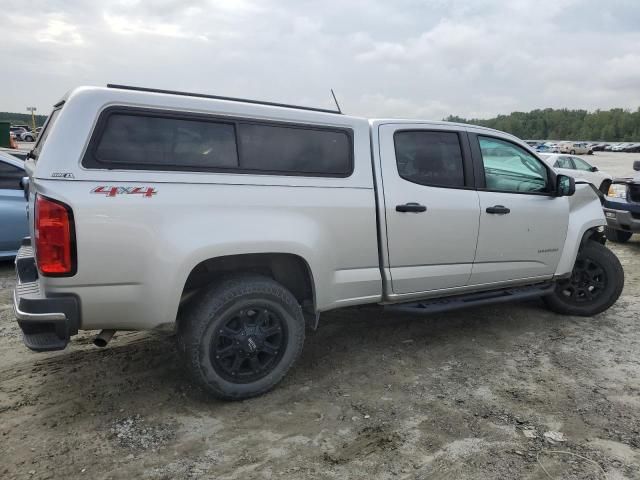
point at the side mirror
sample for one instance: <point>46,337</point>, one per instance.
<point>565,186</point>
<point>636,165</point>
<point>594,169</point>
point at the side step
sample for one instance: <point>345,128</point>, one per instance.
<point>426,307</point>
<point>44,341</point>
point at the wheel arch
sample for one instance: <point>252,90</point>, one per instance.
<point>290,270</point>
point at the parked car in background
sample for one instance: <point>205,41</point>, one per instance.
<point>619,147</point>
<point>22,134</point>
<point>13,206</point>
<point>547,147</point>
<point>622,207</point>
<point>579,169</point>
<point>632,148</point>
<point>17,131</point>
<point>542,148</point>
<point>599,147</point>
<point>575,148</point>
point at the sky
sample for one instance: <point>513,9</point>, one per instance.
<point>389,58</point>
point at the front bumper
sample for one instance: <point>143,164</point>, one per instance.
<point>622,219</point>
<point>47,323</point>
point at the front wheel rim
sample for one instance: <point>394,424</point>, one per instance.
<point>587,283</point>
<point>248,344</point>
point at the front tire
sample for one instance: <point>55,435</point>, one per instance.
<point>242,336</point>
<point>617,236</point>
<point>595,283</point>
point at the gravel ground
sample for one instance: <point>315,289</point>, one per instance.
<point>495,392</point>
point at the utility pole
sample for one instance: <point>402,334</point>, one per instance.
<point>33,116</point>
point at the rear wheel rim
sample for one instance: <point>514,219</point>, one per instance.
<point>587,283</point>
<point>248,343</point>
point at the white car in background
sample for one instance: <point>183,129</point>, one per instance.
<point>579,169</point>
<point>579,148</point>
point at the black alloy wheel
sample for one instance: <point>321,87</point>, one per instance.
<point>586,283</point>
<point>241,335</point>
<point>248,344</point>
<point>596,282</point>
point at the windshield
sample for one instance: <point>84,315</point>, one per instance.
<point>44,133</point>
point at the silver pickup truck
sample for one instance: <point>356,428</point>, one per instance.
<point>237,223</point>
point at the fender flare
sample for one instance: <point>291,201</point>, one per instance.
<point>595,234</point>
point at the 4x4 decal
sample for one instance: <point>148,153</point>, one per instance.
<point>113,191</point>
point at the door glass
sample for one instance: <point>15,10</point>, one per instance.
<point>429,158</point>
<point>581,164</point>
<point>510,168</point>
<point>564,162</point>
<point>10,176</point>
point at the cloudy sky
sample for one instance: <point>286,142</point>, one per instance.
<point>407,58</point>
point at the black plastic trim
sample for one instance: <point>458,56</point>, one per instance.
<point>91,161</point>
<point>444,304</point>
<point>217,97</point>
<point>44,334</point>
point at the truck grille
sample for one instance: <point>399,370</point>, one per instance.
<point>634,193</point>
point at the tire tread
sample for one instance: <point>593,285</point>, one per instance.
<point>198,316</point>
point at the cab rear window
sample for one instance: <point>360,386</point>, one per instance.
<point>130,139</point>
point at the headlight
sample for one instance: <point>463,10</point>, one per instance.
<point>618,190</point>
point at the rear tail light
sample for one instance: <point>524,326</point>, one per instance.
<point>55,238</point>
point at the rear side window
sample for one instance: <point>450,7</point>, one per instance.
<point>299,150</point>
<point>138,140</point>
<point>430,158</point>
<point>158,141</point>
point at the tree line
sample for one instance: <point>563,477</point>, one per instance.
<point>21,118</point>
<point>615,125</point>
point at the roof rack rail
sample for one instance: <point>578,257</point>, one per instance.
<point>217,97</point>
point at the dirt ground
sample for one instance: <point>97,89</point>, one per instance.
<point>495,392</point>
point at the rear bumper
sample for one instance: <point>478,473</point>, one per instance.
<point>47,323</point>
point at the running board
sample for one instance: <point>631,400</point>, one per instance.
<point>445,304</point>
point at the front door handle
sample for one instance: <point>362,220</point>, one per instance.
<point>411,207</point>
<point>499,209</point>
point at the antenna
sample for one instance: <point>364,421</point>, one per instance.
<point>336,100</point>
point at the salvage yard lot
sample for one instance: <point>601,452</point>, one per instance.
<point>461,395</point>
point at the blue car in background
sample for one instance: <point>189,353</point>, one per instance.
<point>13,206</point>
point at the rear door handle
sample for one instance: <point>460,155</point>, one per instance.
<point>499,209</point>
<point>411,207</point>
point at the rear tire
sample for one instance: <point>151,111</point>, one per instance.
<point>572,152</point>
<point>595,284</point>
<point>617,236</point>
<point>241,337</point>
